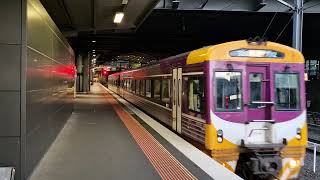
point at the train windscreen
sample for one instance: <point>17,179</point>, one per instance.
<point>228,91</point>
<point>287,91</point>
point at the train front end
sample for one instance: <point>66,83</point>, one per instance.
<point>256,123</point>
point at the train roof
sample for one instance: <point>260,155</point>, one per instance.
<point>221,52</point>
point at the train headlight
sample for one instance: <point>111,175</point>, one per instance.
<point>219,136</point>
<point>293,163</point>
<point>298,136</point>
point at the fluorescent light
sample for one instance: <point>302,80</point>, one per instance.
<point>94,41</point>
<point>124,1</point>
<point>118,17</point>
<point>94,55</point>
<point>94,50</point>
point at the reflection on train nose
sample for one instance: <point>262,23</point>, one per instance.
<point>293,163</point>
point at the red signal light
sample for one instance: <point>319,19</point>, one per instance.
<point>104,72</point>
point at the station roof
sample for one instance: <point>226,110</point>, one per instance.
<point>163,27</point>
<point>311,6</point>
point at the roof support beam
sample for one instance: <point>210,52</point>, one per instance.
<point>286,4</point>
<point>297,22</point>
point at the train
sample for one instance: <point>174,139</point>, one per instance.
<point>243,101</point>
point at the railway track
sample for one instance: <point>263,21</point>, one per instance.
<point>314,126</point>
<point>314,133</point>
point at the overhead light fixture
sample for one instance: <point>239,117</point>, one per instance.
<point>94,41</point>
<point>93,50</point>
<point>94,55</point>
<point>118,17</point>
<point>125,2</point>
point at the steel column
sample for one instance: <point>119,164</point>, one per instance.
<point>297,25</point>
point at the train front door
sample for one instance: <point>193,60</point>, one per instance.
<point>259,106</point>
<point>176,99</point>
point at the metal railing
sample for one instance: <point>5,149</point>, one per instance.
<point>314,146</point>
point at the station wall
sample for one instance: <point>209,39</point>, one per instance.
<point>10,84</point>
<point>49,82</point>
<point>37,84</point>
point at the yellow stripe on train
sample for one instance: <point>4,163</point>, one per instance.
<point>221,53</point>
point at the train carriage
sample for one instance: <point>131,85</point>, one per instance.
<point>244,101</point>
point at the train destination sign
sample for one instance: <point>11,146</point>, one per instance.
<point>259,53</point>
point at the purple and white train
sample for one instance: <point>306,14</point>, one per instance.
<point>244,101</point>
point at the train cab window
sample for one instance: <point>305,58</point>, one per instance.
<point>156,89</point>
<point>228,91</point>
<point>142,87</point>
<point>196,97</point>
<point>287,91</point>
<point>255,80</point>
<point>137,86</point>
<point>165,92</point>
<point>148,88</point>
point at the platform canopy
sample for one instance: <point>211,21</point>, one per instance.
<point>169,27</point>
<point>311,6</point>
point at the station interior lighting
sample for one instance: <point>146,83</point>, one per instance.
<point>118,17</point>
<point>94,55</point>
<point>94,41</point>
<point>125,2</point>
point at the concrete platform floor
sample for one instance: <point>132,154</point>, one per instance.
<point>96,145</point>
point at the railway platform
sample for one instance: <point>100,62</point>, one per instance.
<point>104,139</point>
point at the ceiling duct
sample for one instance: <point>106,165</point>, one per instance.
<point>175,4</point>
<point>124,2</point>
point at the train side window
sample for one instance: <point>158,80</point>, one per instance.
<point>156,89</point>
<point>137,86</point>
<point>142,87</point>
<point>148,88</point>
<point>196,97</point>
<point>228,88</point>
<point>128,84</point>
<point>287,91</point>
<point>133,86</point>
<point>165,92</point>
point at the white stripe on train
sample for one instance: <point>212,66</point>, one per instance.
<point>234,132</point>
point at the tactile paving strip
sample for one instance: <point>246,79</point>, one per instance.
<point>165,164</point>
